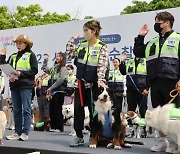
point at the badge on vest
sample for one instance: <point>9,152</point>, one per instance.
<point>25,57</point>
<point>94,54</point>
<point>171,44</point>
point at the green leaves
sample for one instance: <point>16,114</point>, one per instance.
<point>143,6</point>
<point>30,16</point>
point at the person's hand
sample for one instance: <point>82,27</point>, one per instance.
<point>124,56</point>
<point>46,57</point>
<point>124,94</point>
<point>17,73</point>
<point>3,51</point>
<point>102,84</point>
<point>144,30</point>
<point>178,86</point>
<point>76,36</point>
<point>145,92</point>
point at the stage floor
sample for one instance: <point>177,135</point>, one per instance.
<point>59,143</point>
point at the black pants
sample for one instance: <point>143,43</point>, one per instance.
<point>160,89</point>
<point>55,111</point>
<point>43,104</point>
<point>117,102</point>
<point>79,110</point>
<point>135,98</point>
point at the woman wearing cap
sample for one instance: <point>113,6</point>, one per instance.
<point>25,63</point>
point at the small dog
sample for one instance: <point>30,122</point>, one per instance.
<point>9,109</point>
<point>107,127</point>
<point>3,122</point>
<point>159,119</point>
<point>68,113</point>
<point>44,126</point>
<point>139,124</point>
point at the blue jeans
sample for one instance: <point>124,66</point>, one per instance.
<point>21,99</point>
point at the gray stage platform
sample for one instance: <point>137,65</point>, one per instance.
<point>59,143</point>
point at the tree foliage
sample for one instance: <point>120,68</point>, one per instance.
<point>30,16</point>
<point>143,6</point>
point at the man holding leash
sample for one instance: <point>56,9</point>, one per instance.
<point>162,55</point>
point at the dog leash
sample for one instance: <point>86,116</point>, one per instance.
<point>173,95</point>
<point>80,92</point>
<point>134,84</point>
<point>94,113</point>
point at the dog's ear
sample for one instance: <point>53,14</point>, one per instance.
<point>148,114</point>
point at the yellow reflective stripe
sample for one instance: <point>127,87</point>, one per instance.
<point>170,55</point>
<point>151,57</point>
<point>22,69</point>
<point>173,38</point>
<point>141,73</point>
<point>92,63</point>
<point>81,61</point>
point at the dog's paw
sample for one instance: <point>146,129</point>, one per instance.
<point>117,147</point>
<point>110,146</point>
<point>93,146</point>
<point>127,145</point>
<point>1,143</point>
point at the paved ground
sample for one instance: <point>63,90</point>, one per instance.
<point>59,142</point>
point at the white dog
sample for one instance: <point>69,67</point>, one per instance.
<point>138,124</point>
<point>103,105</point>
<point>3,122</point>
<point>159,118</point>
<point>68,113</point>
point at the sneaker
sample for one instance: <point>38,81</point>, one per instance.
<point>160,146</point>
<point>54,130</point>
<point>77,142</point>
<point>172,147</point>
<point>23,137</point>
<point>13,136</point>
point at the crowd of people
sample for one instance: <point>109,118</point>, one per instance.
<point>155,67</point>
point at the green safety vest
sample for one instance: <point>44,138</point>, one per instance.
<point>115,76</point>
<point>141,68</point>
<point>164,63</point>
<point>87,60</point>
<point>71,81</point>
<point>23,64</point>
<point>174,113</point>
<point>169,48</point>
<point>54,74</point>
<point>45,81</point>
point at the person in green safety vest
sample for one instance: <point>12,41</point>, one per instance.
<point>1,89</point>
<point>69,98</point>
<point>162,55</point>
<point>91,60</point>
<point>21,85</point>
<point>57,84</point>
<point>117,85</point>
<point>41,88</point>
<point>137,84</point>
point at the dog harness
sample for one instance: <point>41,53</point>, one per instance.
<point>107,130</point>
<point>174,113</point>
<point>39,124</point>
<point>142,122</point>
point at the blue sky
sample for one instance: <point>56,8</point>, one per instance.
<point>76,8</point>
